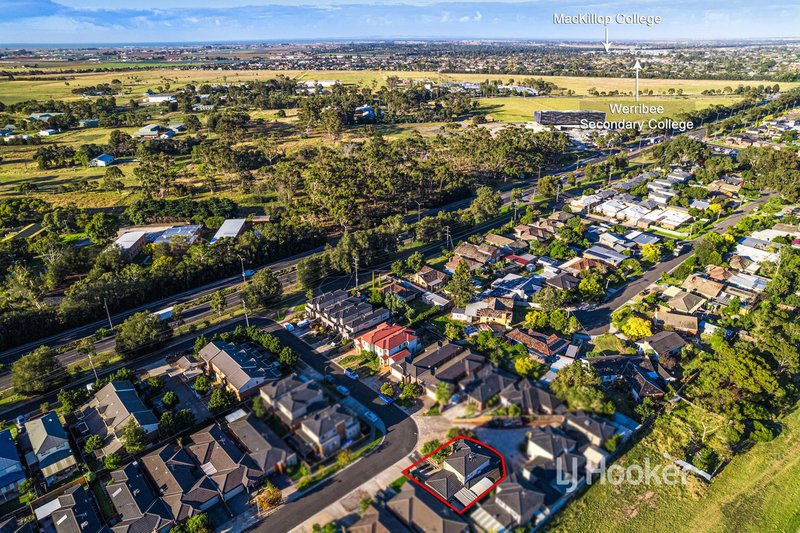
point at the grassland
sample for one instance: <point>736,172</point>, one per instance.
<point>758,491</point>
<point>61,86</point>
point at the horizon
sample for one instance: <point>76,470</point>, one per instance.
<point>84,22</point>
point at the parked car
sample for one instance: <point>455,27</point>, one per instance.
<point>372,417</point>
<point>344,391</point>
<point>350,373</point>
<point>329,379</point>
<point>385,399</point>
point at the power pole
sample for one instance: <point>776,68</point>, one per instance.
<point>246,318</point>
<point>515,210</point>
<point>355,267</point>
<point>91,363</point>
<point>449,240</point>
<point>108,314</point>
<point>244,276</point>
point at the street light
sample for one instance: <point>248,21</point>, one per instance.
<point>244,276</point>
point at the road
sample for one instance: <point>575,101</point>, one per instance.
<point>596,321</point>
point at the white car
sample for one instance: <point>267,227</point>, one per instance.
<point>350,373</point>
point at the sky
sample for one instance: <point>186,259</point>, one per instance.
<point>142,21</point>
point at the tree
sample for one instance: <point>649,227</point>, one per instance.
<point>486,204</point>
<point>268,497</point>
<point>172,423</point>
<point>221,399</point>
<point>94,442</point>
<point>112,461</point>
<point>170,399</point>
<point>112,179</point>
<point>263,289</point>
<point>198,523</point>
<point>23,286</point>
<point>536,320</point>
<point>524,366</point>
<point>259,407</point>
<point>443,392</point>
<point>387,389</point>
<point>140,333</point>
<point>343,458</point>
<point>548,186</point>
<point>579,386</point>
<point>192,123</point>
<point>558,320</point>
<point>460,287</point>
<point>217,302</point>
<point>37,371</point>
<point>202,384</point>
<point>651,253</point>
<point>410,391</point>
<point>288,357</point>
<point>452,331</point>
<point>591,289</point>
<point>70,400</point>
<point>134,437</point>
<point>636,328</point>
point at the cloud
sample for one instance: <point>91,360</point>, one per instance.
<point>98,21</point>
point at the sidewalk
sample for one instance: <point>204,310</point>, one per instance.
<point>350,502</point>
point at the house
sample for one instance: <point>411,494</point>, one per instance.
<point>530,398</point>
<point>719,273</point>
<point>606,255</point>
<point>238,367</point>
<point>419,510</point>
<point>231,228</point>
<point>514,504</point>
<point>594,429</point>
<point>430,279</point>
<point>749,282</point>
<point>548,443</point>
<point>137,505</point>
<point>390,343</point>
<point>102,160</point>
<point>487,386</point>
<point>232,470</point>
<point>728,185</point>
<point>642,239</point>
<point>642,375</point>
<point>11,472</point>
<point>499,241</point>
<point>346,315</point>
<point>676,322</point>
<point>50,449</point>
<point>378,519</point>
<point>664,344</point>
<point>328,430</point>
<point>403,293</point>
<point>541,347</point>
<point>268,451</point>
<point>76,513</point>
<point>452,264</point>
<point>515,286</point>
<point>758,250</point>
<point>616,243</point>
<point>150,131</point>
<point>291,398</point>
<point>686,302</point>
<point>527,232</point>
<point>111,409</point>
<point>183,485</point>
<point>451,363</point>
<point>131,243</point>
<point>189,234</point>
<point>702,286</point>
<point>563,282</point>
<point>468,461</point>
<point>551,451</point>
<point>160,98</point>
<point>491,310</point>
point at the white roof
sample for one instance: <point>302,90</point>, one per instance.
<point>126,240</point>
<point>231,228</point>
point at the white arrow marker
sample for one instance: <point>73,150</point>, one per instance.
<point>637,67</point>
<point>607,43</point>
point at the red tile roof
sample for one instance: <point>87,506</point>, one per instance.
<point>387,337</point>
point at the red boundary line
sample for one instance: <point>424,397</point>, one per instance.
<point>407,472</point>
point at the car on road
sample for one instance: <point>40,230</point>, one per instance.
<point>386,399</point>
<point>372,417</point>
<point>341,389</point>
<point>350,373</point>
<point>329,379</point>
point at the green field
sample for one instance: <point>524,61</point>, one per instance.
<point>518,109</point>
<point>134,83</point>
<point>758,491</point>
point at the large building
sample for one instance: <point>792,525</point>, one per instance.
<point>567,119</point>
